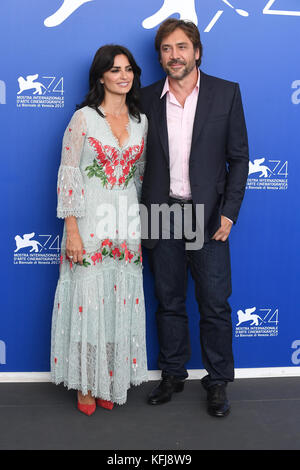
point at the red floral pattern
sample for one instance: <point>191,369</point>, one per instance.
<point>108,159</point>
<point>107,242</point>
<point>96,258</point>
<point>117,252</point>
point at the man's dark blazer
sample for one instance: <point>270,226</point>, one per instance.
<point>218,165</point>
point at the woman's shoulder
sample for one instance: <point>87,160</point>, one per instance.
<point>87,116</point>
<point>142,122</point>
<point>143,118</point>
<point>79,114</point>
<point>87,112</point>
<point>77,118</point>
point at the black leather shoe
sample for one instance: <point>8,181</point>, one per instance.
<point>163,392</point>
<point>217,402</point>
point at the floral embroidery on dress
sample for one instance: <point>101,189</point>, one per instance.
<point>110,250</point>
<point>112,166</point>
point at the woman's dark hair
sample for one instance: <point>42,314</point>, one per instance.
<point>104,61</point>
<point>188,27</point>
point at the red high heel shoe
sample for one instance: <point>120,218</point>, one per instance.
<point>85,408</point>
<point>105,404</point>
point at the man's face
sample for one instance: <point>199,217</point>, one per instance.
<point>177,55</point>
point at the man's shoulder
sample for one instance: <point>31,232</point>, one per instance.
<point>151,93</point>
<point>155,87</point>
<point>217,81</point>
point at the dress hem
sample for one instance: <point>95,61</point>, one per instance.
<point>118,401</point>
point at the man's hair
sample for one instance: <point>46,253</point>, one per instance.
<point>188,27</point>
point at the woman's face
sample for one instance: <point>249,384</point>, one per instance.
<point>118,80</point>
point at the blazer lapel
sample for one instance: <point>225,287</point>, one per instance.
<point>160,109</point>
<point>203,107</point>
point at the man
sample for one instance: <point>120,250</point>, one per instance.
<point>197,153</point>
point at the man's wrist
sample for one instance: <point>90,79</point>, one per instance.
<point>228,219</point>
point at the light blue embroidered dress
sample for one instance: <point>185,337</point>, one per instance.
<point>98,325</point>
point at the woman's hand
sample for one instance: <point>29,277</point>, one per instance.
<point>74,245</point>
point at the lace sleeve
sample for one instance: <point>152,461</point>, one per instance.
<point>70,188</point>
<point>140,165</point>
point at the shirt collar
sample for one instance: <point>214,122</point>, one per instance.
<point>166,88</point>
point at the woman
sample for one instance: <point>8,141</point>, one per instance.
<point>98,325</point>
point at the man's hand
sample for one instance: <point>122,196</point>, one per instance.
<point>223,232</point>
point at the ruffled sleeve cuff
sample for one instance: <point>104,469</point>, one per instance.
<point>70,192</point>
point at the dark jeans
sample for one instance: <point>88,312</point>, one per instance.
<point>210,269</point>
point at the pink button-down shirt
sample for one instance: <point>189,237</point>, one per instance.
<point>180,121</point>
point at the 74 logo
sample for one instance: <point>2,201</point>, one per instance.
<point>54,85</point>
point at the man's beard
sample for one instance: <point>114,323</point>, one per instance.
<point>183,73</point>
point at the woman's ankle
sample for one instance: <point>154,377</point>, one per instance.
<point>85,398</point>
